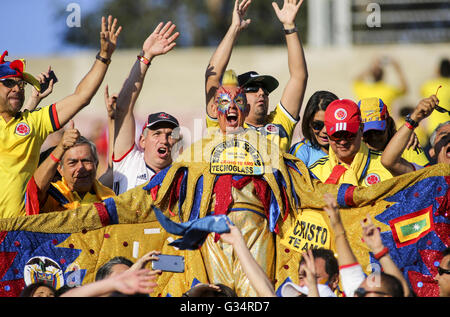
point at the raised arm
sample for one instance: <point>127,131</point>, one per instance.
<point>107,178</point>
<point>346,256</point>
<point>86,89</point>
<point>159,42</point>
<point>294,91</point>
<point>219,60</point>
<point>372,239</point>
<point>128,282</point>
<point>350,270</point>
<point>45,172</point>
<point>255,274</point>
<point>391,157</point>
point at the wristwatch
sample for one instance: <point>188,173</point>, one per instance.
<point>290,31</point>
<point>102,59</point>
<point>411,121</point>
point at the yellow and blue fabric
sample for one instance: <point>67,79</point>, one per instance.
<point>365,170</point>
<point>60,197</point>
<point>20,142</point>
<point>307,152</point>
<point>185,191</point>
<point>373,114</point>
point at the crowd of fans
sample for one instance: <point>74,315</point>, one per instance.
<point>358,143</point>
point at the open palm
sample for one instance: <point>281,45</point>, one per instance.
<point>161,40</point>
<point>287,14</point>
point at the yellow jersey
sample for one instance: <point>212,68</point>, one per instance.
<point>279,127</point>
<point>385,92</point>
<point>20,142</point>
<point>365,170</point>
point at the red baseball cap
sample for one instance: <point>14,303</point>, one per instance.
<point>342,115</point>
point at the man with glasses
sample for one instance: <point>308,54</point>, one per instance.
<point>279,125</point>
<point>23,133</point>
<point>349,160</point>
<point>443,276</point>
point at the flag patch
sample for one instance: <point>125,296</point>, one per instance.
<point>409,228</point>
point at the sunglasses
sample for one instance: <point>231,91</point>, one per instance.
<point>317,125</point>
<point>342,136</point>
<point>362,292</point>
<point>11,83</point>
<point>442,271</point>
<point>441,110</point>
<point>255,88</point>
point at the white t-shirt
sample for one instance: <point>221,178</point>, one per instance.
<point>351,277</point>
<point>130,171</point>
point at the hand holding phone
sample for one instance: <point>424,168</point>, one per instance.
<point>46,83</point>
<point>169,263</point>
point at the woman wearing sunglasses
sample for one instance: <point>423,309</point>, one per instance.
<point>315,143</point>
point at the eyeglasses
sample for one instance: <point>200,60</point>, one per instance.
<point>255,88</point>
<point>317,125</point>
<point>442,271</point>
<point>11,83</point>
<point>342,136</point>
<point>362,292</point>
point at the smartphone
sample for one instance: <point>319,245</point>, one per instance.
<point>169,263</point>
<point>46,83</point>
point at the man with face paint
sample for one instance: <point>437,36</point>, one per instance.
<point>278,125</point>
<point>231,106</point>
<point>236,157</point>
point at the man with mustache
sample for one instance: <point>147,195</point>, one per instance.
<point>23,133</point>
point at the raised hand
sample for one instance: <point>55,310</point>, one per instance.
<point>287,14</point>
<point>160,41</point>
<point>424,108</point>
<point>69,137</point>
<point>233,237</point>
<point>41,79</point>
<point>110,103</point>
<point>142,262</point>
<point>371,235</point>
<point>108,36</point>
<point>132,282</point>
<point>332,210</point>
<point>239,11</point>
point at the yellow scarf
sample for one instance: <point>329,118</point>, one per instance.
<point>354,171</point>
<point>74,200</point>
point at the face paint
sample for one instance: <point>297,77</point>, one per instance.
<point>225,98</point>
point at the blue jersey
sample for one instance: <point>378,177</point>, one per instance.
<point>306,152</point>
